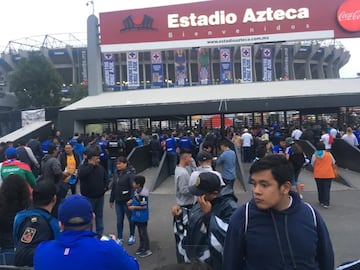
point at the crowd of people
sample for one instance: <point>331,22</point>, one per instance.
<point>211,230</point>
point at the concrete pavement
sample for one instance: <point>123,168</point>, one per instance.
<point>342,219</point>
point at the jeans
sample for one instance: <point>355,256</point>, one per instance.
<point>143,235</point>
<point>121,210</point>
<point>172,161</point>
<point>155,158</point>
<point>323,187</point>
<point>98,208</point>
<point>229,183</point>
<point>247,154</point>
<point>111,167</point>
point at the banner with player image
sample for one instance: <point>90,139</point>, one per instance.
<point>204,66</point>
<point>286,59</point>
<point>246,64</point>
<point>109,69</point>
<point>133,70</point>
<point>180,67</point>
<point>267,62</point>
<point>226,75</point>
<point>157,76</point>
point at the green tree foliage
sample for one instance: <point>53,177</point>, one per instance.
<point>35,82</point>
<point>77,92</point>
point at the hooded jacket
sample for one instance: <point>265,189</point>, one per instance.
<point>201,236</point>
<point>121,188</point>
<point>290,239</point>
<point>93,180</point>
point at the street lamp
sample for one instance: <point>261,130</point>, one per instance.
<point>92,4</point>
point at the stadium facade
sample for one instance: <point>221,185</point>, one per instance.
<point>183,67</point>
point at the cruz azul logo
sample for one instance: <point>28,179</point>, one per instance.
<point>348,15</point>
<point>138,23</point>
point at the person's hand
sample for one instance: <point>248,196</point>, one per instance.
<point>129,202</point>
<point>111,205</point>
<point>204,204</point>
<point>176,210</point>
<point>131,207</point>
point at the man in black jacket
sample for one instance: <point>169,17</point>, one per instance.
<point>93,184</point>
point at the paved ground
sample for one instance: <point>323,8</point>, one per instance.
<point>342,218</point>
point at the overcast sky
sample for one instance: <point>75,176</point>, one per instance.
<point>23,18</point>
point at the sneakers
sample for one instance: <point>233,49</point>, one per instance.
<point>145,253</point>
<point>325,206</point>
<point>120,241</point>
<point>131,240</point>
<point>139,251</point>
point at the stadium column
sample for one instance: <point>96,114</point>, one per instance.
<point>94,56</point>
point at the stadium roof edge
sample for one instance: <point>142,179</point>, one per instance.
<point>200,94</point>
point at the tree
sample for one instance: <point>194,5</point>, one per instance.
<point>77,92</point>
<point>35,82</point>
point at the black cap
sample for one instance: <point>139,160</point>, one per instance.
<point>207,182</point>
<point>43,192</point>
<point>203,156</point>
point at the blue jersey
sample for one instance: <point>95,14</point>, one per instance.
<point>170,145</point>
<point>82,249</point>
<point>186,143</point>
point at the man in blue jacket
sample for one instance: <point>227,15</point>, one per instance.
<point>78,247</point>
<point>276,230</point>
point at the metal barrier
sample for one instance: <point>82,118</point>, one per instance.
<point>346,155</point>
<point>240,172</point>
<point>162,173</point>
<point>339,156</point>
<point>140,158</point>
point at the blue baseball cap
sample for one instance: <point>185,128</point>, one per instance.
<point>11,152</point>
<point>75,211</point>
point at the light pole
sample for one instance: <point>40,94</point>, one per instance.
<point>92,4</point>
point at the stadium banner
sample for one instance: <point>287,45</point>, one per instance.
<point>204,66</point>
<point>286,59</point>
<point>246,64</point>
<point>133,70</point>
<point>216,23</point>
<point>32,116</point>
<point>225,65</point>
<point>180,67</point>
<point>84,77</point>
<point>156,69</point>
<point>267,62</point>
<point>109,69</point>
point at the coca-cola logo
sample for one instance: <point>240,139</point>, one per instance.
<point>348,15</point>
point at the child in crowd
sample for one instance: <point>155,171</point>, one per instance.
<point>139,205</point>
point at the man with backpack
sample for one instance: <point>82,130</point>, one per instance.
<point>36,224</point>
<point>276,229</point>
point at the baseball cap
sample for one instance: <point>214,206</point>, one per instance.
<point>11,152</point>
<point>207,182</point>
<point>43,192</point>
<point>75,211</point>
<point>289,140</point>
<point>203,156</point>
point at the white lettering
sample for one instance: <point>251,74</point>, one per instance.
<point>275,15</point>
<point>217,18</point>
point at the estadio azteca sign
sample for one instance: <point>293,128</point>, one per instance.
<point>217,23</point>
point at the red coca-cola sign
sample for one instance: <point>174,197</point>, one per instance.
<point>349,15</point>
